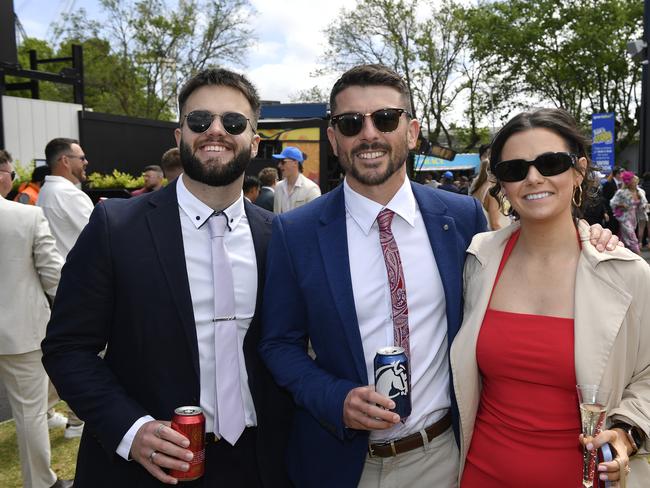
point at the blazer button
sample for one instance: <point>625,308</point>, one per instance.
<point>445,227</point>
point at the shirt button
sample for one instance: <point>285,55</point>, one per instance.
<point>197,217</point>
<point>445,227</point>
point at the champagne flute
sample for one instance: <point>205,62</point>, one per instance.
<point>593,412</point>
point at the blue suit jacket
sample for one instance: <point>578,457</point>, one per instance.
<point>308,295</point>
<point>125,284</point>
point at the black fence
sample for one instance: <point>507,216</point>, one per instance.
<point>124,143</point>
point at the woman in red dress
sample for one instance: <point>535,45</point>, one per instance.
<point>543,314</point>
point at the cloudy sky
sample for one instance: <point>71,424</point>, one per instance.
<point>289,33</point>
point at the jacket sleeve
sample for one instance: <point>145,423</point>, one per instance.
<point>79,330</point>
<point>284,341</point>
<point>634,406</point>
<point>47,260</point>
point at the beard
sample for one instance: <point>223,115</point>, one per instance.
<point>214,171</point>
<point>396,158</point>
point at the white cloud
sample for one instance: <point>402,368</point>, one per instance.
<point>296,28</point>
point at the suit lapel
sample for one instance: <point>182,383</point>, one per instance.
<point>600,309</point>
<point>260,224</point>
<point>165,226</point>
<point>332,236</point>
<point>442,233</point>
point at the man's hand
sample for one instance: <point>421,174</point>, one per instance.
<point>603,239</point>
<point>156,445</point>
<point>361,410</point>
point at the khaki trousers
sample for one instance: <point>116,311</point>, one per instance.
<point>435,465</point>
<point>26,383</point>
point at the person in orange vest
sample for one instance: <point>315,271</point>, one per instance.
<point>28,191</point>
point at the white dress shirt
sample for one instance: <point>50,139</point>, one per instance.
<point>303,191</point>
<point>198,259</point>
<point>67,210</point>
<point>425,296</point>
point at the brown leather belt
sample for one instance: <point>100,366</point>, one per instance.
<point>413,441</point>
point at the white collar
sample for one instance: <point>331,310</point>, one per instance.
<point>364,211</point>
<point>199,212</point>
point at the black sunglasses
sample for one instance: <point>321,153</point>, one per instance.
<point>200,120</point>
<point>548,164</point>
<point>11,173</point>
<point>385,120</point>
<point>81,158</point>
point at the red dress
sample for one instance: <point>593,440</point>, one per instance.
<point>528,420</point>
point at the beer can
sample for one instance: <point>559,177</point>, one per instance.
<point>190,422</point>
<point>392,378</point>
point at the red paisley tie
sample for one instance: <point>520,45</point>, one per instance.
<point>395,280</point>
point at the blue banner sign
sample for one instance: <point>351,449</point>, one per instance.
<point>461,161</point>
<point>602,146</point>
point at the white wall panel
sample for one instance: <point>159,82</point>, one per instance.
<point>30,124</point>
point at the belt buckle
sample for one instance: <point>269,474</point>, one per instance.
<point>371,453</point>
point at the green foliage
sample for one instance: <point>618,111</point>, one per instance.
<point>426,49</point>
<point>136,59</point>
<point>500,56</point>
<point>117,179</point>
<point>570,54</point>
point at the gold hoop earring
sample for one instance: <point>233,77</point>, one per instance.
<point>578,190</point>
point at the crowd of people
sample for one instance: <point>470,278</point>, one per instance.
<point>264,303</point>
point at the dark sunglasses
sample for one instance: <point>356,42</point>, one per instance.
<point>548,164</point>
<point>200,120</point>
<point>11,173</point>
<point>81,158</point>
<point>385,120</point>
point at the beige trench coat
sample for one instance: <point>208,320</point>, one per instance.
<point>612,334</point>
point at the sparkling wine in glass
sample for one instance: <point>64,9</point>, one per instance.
<point>593,412</point>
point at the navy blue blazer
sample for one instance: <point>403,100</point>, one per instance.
<point>125,284</point>
<point>308,295</point>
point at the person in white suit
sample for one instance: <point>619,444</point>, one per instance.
<point>30,267</point>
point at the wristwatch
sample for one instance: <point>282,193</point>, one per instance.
<point>635,436</point>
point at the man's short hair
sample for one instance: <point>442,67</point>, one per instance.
<point>56,147</point>
<point>221,77</point>
<point>171,159</point>
<point>250,182</point>
<point>5,157</point>
<point>371,75</point>
<point>268,176</point>
<point>153,167</point>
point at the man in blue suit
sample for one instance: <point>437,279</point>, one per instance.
<point>327,282</point>
<point>146,279</point>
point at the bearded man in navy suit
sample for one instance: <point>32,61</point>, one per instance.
<point>328,283</point>
<point>140,281</point>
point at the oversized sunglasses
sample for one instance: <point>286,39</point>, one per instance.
<point>548,164</point>
<point>385,120</point>
<point>234,123</point>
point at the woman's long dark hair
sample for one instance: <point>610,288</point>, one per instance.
<point>564,125</point>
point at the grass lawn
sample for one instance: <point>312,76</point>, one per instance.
<point>64,453</point>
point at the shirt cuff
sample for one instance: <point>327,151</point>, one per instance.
<point>124,447</point>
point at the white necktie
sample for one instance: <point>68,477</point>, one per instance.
<point>229,422</point>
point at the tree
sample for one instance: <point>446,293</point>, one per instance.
<point>375,31</point>
<point>315,94</point>
<point>427,52</point>
<point>570,54</point>
<point>154,49</point>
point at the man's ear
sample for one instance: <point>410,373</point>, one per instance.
<point>332,137</point>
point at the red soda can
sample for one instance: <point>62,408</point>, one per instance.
<point>190,422</point>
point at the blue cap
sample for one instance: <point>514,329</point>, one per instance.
<point>448,174</point>
<point>290,152</point>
